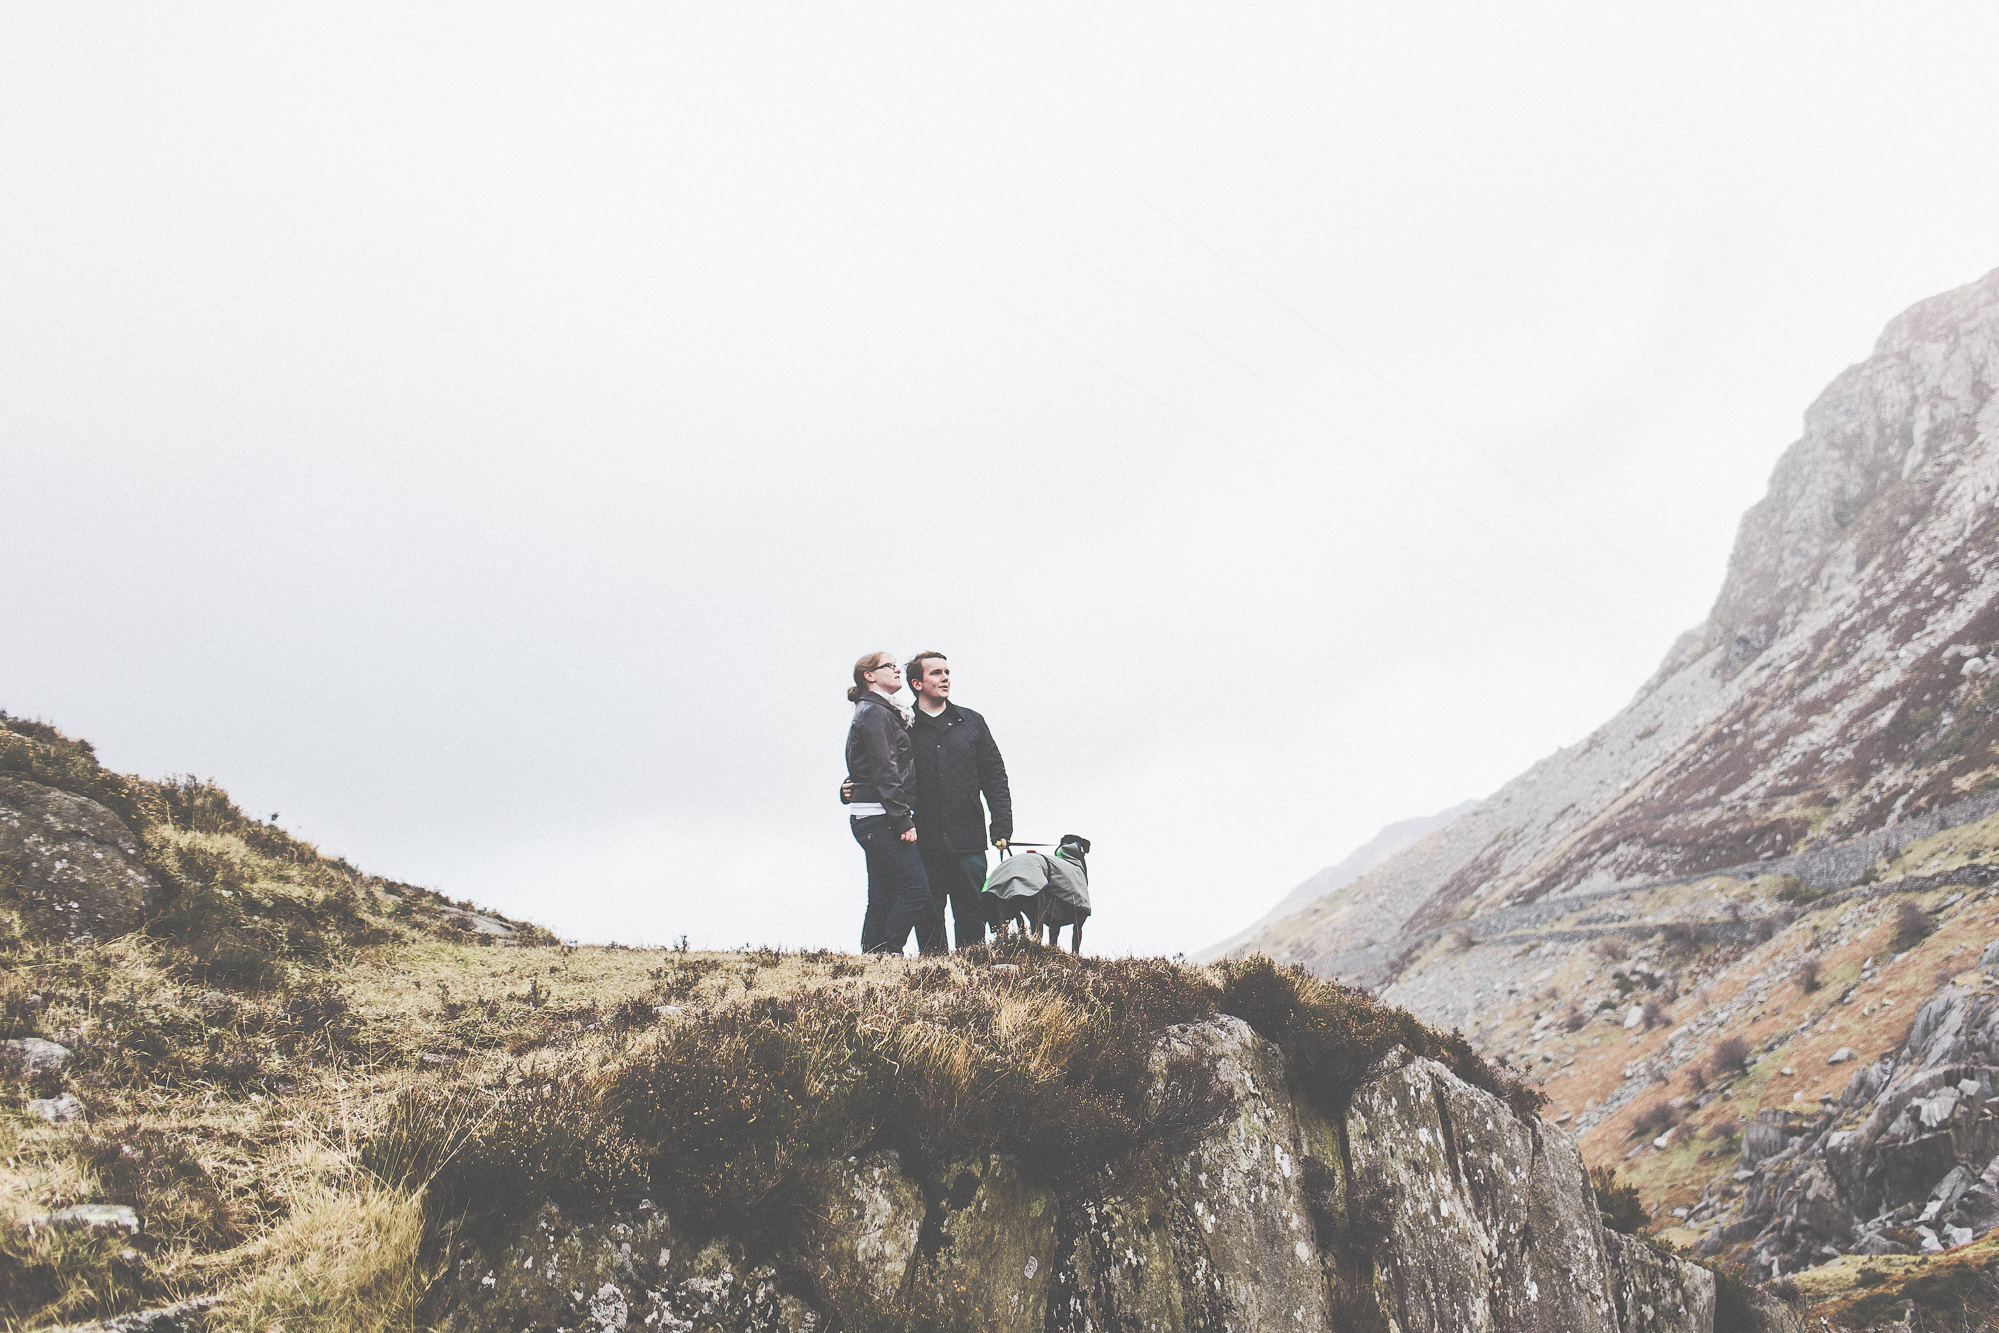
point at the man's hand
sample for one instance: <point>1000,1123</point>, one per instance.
<point>909,835</point>
<point>1001,844</point>
<point>847,792</point>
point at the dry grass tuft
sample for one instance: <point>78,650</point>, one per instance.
<point>347,1260</point>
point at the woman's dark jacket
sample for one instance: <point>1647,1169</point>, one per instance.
<point>956,760</point>
<point>879,760</point>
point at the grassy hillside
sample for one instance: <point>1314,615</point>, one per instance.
<point>313,1084</point>
<point>1775,1022</point>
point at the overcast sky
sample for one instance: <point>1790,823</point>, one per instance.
<point>487,435</point>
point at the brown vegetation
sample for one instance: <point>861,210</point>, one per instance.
<point>1727,1059</point>
<point>1617,1201</point>
<point>1912,926</point>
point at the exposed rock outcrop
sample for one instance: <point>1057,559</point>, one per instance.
<point>180,1317</point>
<point>1493,1223</point>
<point>1434,1207</point>
<point>73,867</point>
<point>30,1056</point>
<point>1906,1161</point>
<point>1839,685</point>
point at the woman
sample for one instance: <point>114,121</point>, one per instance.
<point>883,771</point>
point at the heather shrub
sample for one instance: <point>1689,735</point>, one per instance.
<point>1655,1119</point>
<point>1056,1070</point>
<point>1370,1216</point>
<point>1912,926</point>
<point>162,1176</point>
<point>1679,939</point>
<point>1323,1197</point>
<point>1334,1035</point>
<point>237,917</point>
<point>1054,1061</point>
<point>42,754</point>
<point>1793,890</point>
<point>1617,1201</point>
<point>1728,1057</point>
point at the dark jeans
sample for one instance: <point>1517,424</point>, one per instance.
<point>898,891</point>
<point>957,876</point>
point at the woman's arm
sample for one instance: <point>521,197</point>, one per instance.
<point>873,765</point>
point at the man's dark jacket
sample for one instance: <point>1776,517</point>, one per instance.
<point>956,760</point>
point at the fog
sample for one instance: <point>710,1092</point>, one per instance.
<point>485,436</point>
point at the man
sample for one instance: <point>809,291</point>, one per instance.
<point>956,763</point>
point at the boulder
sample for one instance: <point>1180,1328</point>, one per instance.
<point>995,1234</point>
<point>75,865</point>
<point>62,1110</point>
<point>613,1273</point>
<point>1913,1140</point>
<point>182,1317</point>
<point>1492,1224</point>
<point>1656,1293</point>
<point>1243,1187</point>
<point>92,1217</point>
<point>863,1230</point>
<point>32,1056</point>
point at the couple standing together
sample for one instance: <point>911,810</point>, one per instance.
<point>914,778</point>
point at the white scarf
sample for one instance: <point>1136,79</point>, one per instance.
<point>901,711</point>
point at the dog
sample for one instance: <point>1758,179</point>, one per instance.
<point>1051,908</point>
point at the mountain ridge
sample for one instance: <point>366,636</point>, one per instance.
<point>1861,582</point>
<point>1388,840</point>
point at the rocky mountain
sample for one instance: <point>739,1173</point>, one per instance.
<point>1390,840</point>
<point>1727,974</point>
<point>1744,935</point>
<point>1840,686</point>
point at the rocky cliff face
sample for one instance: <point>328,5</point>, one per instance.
<point>1690,928</point>
<point>1906,1161</point>
<point>1430,1206</point>
<point>1842,682</point>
